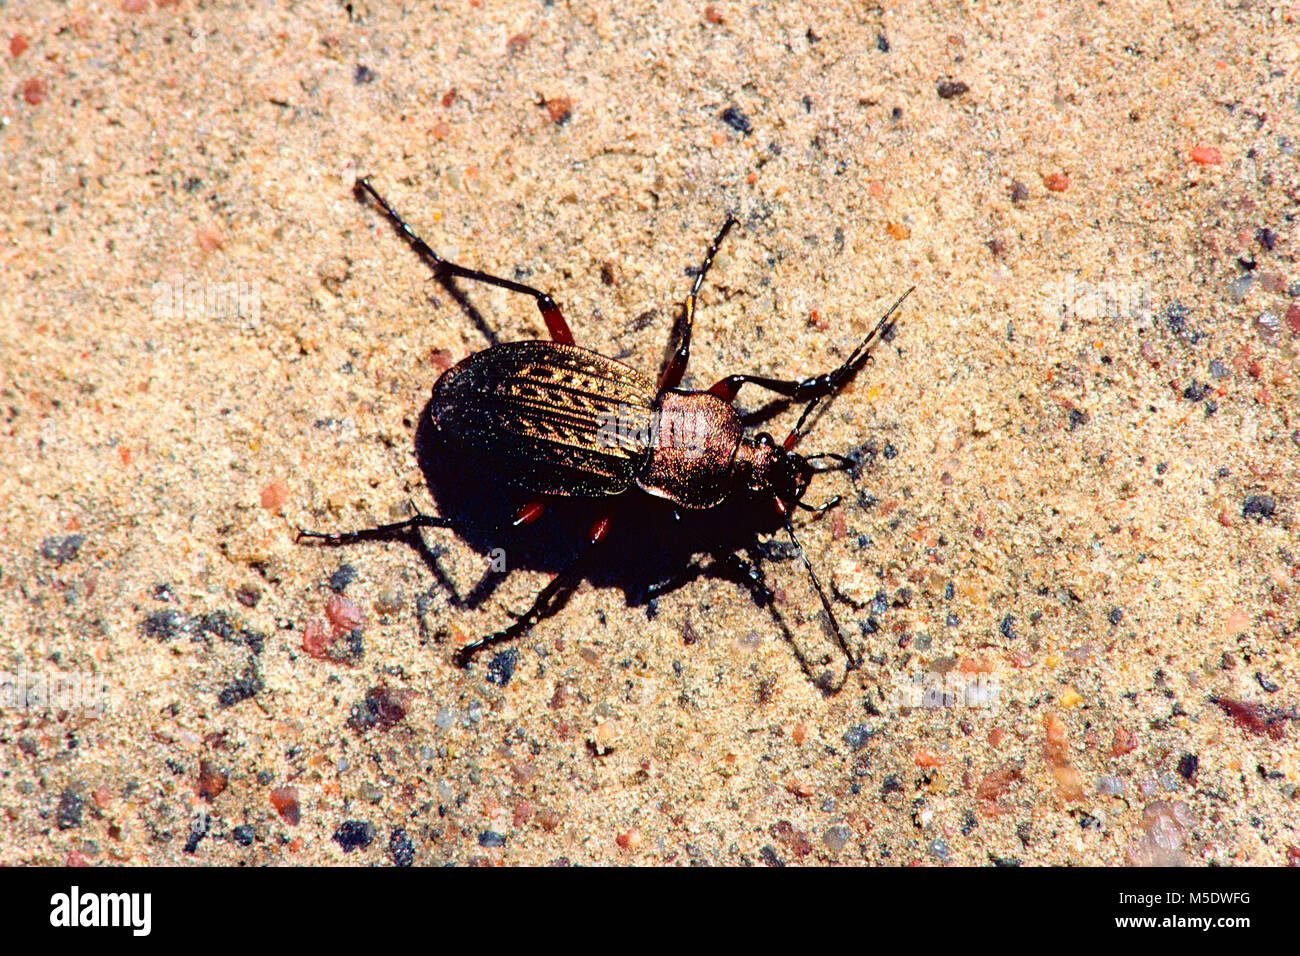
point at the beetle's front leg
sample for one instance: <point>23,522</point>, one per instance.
<point>675,365</point>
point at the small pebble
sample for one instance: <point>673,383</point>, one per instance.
<point>285,801</point>
<point>1268,328</point>
<point>341,578</point>
<point>342,614</point>
<point>737,120</point>
<point>1239,287</point>
<point>1259,507</point>
<point>1110,786</point>
<point>354,835</point>
<point>34,91</point>
<point>1056,182</point>
<point>836,837</point>
<point>61,550</point>
<point>212,780</point>
<point>400,848</point>
<point>274,496</point>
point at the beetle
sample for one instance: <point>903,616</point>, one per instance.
<point>556,420</point>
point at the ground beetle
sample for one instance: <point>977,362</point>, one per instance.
<point>554,419</point>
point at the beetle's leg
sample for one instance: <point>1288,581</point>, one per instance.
<point>738,568</point>
<point>528,513</point>
<point>816,387</point>
<point>378,532</point>
<point>551,314</point>
<point>784,512</point>
<point>549,601</point>
<point>675,366</point>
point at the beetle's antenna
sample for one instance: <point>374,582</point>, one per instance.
<point>842,374</point>
<point>844,463</point>
<point>821,593</point>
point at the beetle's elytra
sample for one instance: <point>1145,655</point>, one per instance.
<point>557,420</point>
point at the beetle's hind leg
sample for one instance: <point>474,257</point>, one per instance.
<point>377,533</point>
<point>548,601</point>
<point>555,323</point>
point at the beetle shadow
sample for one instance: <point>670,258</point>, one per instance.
<point>647,555</point>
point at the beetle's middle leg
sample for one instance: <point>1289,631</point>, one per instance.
<point>548,602</point>
<point>555,322</point>
<point>675,366</point>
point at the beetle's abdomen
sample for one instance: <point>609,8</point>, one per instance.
<point>695,437</point>
<point>549,418</point>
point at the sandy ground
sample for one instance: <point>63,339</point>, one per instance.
<point>1072,567</point>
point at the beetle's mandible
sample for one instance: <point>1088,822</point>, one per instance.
<point>554,419</point>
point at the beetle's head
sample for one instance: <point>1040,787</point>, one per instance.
<point>770,470</point>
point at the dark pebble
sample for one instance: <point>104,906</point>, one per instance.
<point>1188,765</point>
<point>1019,192</point>
<point>949,89</point>
<point>242,835</point>
<point>400,848</point>
<point>1267,238</point>
<point>1259,507</point>
<point>491,838</point>
<point>354,835</point>
<point>363,74</point>
<point>62,549</point>
<point>882,43</point>
<point>166,625</point>
<point>502,667</point>
<point>768,856</point>
<point>737,120</point>
<point>242,688</point>
<point>382,707</point>
<point>1116,615</point>
<point>891,785</point>
<point>1196,391</point>
<point>1078,417</point>
<point>69,813</point>
<point>858,736</point>
<point>1008,627</point>
<point>341,578</point>
<point>198,830</point>
<point>689,634</point>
